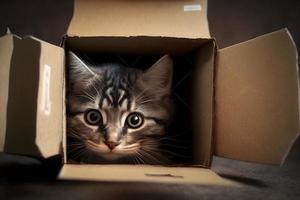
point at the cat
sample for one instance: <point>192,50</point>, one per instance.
<point>117,114</point>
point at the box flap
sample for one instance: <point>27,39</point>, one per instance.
<point>203,90</point>
<point>173,18</point>
<point>33,119</point>
<point>6,49</point>
<point>257,102</point>
<point>142,173</point>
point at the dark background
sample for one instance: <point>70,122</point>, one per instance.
<point>231,21</point>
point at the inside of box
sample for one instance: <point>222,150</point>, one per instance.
<point>181,143</point>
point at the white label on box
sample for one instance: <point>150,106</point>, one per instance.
<point>195,7</point>
<point>46,103</point>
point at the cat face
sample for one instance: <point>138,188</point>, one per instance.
<point>117,113</point>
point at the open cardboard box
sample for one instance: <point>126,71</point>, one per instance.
<point>245,97</point>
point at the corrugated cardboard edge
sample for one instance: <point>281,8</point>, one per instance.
<point>6,51</point>
<point>133,18</point>
<point>64,113</point>
<point>55,56</point>
<point>203,139</point>
<point>297,61</point>
<point>143,174</point>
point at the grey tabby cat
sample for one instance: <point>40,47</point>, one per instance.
<point>117,114</point>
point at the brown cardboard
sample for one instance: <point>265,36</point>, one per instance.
<point>203,90</point>
<point>143,173</point>
<point>6,49</point>
<point>50,123</point>
<point>257,104</point>
<point>34,102</point>
<point>230,119</point>
<point>179,18</point>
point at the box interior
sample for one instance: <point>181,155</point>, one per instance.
<point>142,52</point>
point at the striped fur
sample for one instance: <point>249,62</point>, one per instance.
<point>116,91</point>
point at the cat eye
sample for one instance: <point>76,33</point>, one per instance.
<point>135,120</point>
<point>93,117</point>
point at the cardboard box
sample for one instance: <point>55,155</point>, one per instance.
<point>246,97</point>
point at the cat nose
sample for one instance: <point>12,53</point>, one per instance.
<point>111,145</point>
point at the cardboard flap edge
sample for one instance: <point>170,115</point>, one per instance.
<point>130,18</point>
<point>6,50</point>
<point>142,173</point>
<point>31,97</point>
<point>257,99</point>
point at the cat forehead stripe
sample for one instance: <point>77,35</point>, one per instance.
<point>108,92</point>
<point>122,94</point>
<point>115,96</point>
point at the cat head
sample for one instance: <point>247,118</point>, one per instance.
<point>115,112</point>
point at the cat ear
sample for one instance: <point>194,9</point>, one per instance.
<point>77,66</point>
<point>158,77</point>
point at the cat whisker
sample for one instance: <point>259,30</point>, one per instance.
<point>140,95</point>
<point>154,148</point>
<point>73,132</point>
<point>84,96</point>
<point>79,153</point>
<point>89,95</point>
<point>175,154</point>
<point>146,101</point>
<point>174,146</point>
<point>87,156</point>
<point>150,155</point>
<point>73,135</point>
<point>73,150</point>
<point>173,136</point>
<point>74,144</point>
<point>140,157</point>
<point>93,85</point>
<point>133,159</point>
<point>174,140</point>
<point>138,160</point>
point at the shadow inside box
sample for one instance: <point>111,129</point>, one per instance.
<point>244,180</point>
<point>17,168</point>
